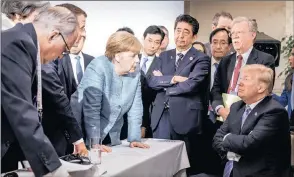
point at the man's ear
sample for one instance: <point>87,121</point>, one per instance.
<point>213,27</point>
<point>195,37</point>
<point>53,35</point>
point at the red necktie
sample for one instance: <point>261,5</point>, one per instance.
<point>233,83</point>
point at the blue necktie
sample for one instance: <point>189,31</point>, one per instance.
<point>144,67</point>
<point>292,93</point>
<point>229,164</point>
<point>216,66</point>
<point>79,70</point>
<point>180,57</point>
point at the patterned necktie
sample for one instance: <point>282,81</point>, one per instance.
<point>234,80</point>
<point>179,59</point>
<point>245,114</point>
<point>211,114</point>
<point>144,67</point>
<point>79,70</point>
<point>228,168</point>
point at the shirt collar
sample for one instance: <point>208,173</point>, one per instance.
<point>246,54</point>
<point>252,105</point>
<point>150,58</point>
<point>74,55</point>
<point>213,61</point>
<point>183,52</point>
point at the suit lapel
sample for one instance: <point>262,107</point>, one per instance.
<point>188,58</point>
<point>67,66</point>
<point>252,57</point>
<point>231,68</point>
<point>253,115</point>
<point>87,60</point>
<point>237,119</point>
<point>151,67</point>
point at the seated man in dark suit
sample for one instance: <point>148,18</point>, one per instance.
<point>255,137</point>
<point>60,80</point>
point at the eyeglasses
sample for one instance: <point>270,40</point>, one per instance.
<point>67,48</point>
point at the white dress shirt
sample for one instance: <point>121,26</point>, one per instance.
<point>73,61</point>
<point>148,63</point>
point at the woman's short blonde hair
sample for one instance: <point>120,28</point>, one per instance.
<point>122,41</point>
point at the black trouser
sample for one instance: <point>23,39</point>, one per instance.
<point>9,161</point>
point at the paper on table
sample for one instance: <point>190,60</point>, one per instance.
<point>228,100</point>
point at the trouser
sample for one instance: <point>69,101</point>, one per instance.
<point>9,161</point>
<point>194,143</point>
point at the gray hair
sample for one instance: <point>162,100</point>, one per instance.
<point>57,18</point>
<point>22,8</point>
<point>251,23</point>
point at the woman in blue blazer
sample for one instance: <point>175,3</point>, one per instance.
<point>110,87</point>
<point>285,98</point>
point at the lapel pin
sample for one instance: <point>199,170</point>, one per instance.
<point>191,58</point>
<point>255,113</point>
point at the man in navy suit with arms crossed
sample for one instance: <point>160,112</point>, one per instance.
<point>181,78</point>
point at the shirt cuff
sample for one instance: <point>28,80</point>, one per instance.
<point>217,108</point>
<point>226,136</point>
<point>78,142</point>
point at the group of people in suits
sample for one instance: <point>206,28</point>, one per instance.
<point>55,98</point>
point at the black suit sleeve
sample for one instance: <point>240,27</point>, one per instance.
<point>217,142</point>
<point>53,90</point>
<point>18,67</point>
<point>270,126</point>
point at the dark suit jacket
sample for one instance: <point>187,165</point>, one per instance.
<point>148,95</point>
<point>58,121</point>
<point>188,101</point>
<point>66,74</point>
<point>263,142</point>
<point>225,71</point>
<point>20,122</point>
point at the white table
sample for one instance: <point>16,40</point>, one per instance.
<point>164,158</point>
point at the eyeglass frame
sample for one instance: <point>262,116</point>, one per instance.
<point>66,46</point>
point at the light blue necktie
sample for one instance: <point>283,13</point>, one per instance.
<point>229,164</point>
<point>292,93</point>
<point>79,70</point>
<point>144,67</point>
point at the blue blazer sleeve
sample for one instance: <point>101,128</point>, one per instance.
<point>135,115</point>
<point>283,99</point>
<point>199,74</point>
<point>92,99</point>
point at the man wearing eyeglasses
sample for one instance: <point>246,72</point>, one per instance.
<point>23,49</point>
<point>60,79</point>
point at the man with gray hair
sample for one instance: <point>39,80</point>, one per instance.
<point>255,137</point>
<point>24,48</point>
<point>20,11</point>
